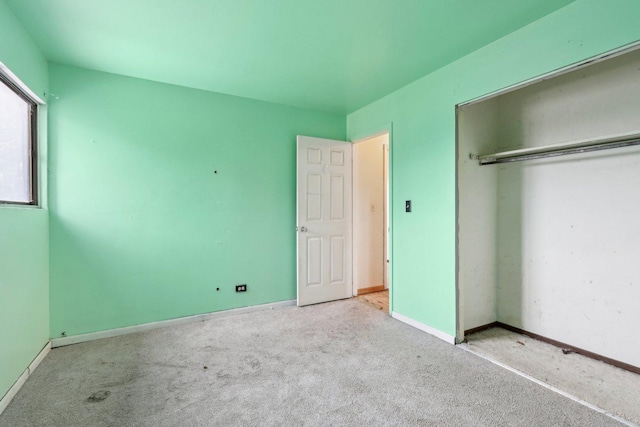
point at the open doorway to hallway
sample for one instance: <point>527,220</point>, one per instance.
<point>371,220</point>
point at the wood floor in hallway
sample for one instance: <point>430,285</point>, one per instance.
<point>379,300</point>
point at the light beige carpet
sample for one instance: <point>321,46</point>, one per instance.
<point>336,364</point>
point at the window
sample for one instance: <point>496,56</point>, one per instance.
<point>18,160</point>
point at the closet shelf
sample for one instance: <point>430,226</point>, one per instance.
<point>576,147</point>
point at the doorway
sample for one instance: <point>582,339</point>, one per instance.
<point>328,266</point>
<point>371,220</point>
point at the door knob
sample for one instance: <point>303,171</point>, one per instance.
<point>303,229</point>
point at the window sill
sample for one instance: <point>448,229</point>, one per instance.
<point>19,205</point>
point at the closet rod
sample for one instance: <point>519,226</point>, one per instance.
<point>559,150</point>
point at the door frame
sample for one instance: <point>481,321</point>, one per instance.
<point>386,129</point>
<point>459,287</point>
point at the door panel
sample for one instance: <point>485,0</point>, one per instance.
<point>314,261</point>
<point>323,220</point>
<point>314,197</point>
<point>337,197</point>
<point>337,259</point>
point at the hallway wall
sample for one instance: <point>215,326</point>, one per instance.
<point>369,212</point>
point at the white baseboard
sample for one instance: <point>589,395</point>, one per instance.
<point>6,399</point>
<point>75,339</point>
<point>425,328</point>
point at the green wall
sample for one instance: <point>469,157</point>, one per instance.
<point>142,227</point>
<point>24,232</point>
<point>423,149</point>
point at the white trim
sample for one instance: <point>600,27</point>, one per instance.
<point>75,339</point>
<point>550,387</point>
<point>425,328</point>
<point>562,70</point>
<point>5,71</point>
<point>11,393</point>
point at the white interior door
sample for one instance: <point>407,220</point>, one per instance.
<point>324,209</point>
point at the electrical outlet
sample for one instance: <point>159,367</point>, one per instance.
<point>241,288</point>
